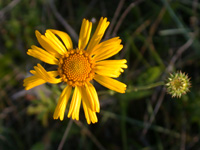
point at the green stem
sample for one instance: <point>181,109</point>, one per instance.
<point>123,124</point>
<point>146,87</point>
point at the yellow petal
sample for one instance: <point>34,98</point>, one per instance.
<point>46,44</point>
<point>64,37</point>
<point>92,96</point>
<point>87,95</point>
<point>92,114</point>
<point>55,41</point>
<point>42,55</point>
<point>121,62</point>
<point>110,68</point>
<point>42,73</point>
<point>84,35</point>
<point>86,112</point>
<point>109,72</point>
<point>111,83</point>
<point>53,46</point>
<point>75,104</point>
<point>62,103</point>
<point>33,81</point>
<point>112,41</point>
<point>98,34</point>
<point>107,49</point>
<point>89,114</point>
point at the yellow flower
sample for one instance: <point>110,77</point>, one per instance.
<point>77,67</point>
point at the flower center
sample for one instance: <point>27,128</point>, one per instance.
<point>76,67</point>
<point>178,84</point>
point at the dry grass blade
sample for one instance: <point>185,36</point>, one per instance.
<point>119,7</point>
<point>124,14</point>
<point>58,16</point>
<point>9,7</point>
<point>90,135</point>
<point>65,135</point>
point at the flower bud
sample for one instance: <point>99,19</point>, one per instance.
<point>178,84</point>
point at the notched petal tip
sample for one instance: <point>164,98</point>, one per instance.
<point>95,121</point>
<point>104,19</point>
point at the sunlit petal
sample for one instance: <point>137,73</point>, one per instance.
<point>111,83</point>
<point>62,103</point>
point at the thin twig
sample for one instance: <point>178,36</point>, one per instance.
<point>141,124</point>
<point>168,69</point>
<point>157,107</point>
<point>149,42</point>
<point>142,27</point>
<point>119,7</point>
<point>8,8</point>
<point>178,54</point>
<point>183,133</point>
<point>194,18</point>
<point>90,135</point>
<point>65,135</point>
<point>125,13</point>
<point>63,21</point>
<point>180,25</point>
<point>90,6</point>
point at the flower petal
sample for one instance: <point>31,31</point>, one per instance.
<point>89,114</point>
<point>62,103</point>
<point>42,55</point>
<point>110,68</point>
<point>55,41</point>
<point>87,95</point>
<point>64,37</point>
<point>75,104</point>
<point>121,63</point>
<point>107,49</point>
<point>33,81</point>
<point>84,36</point>
<point>42,73</point>
<point>100,30</point>
<point>111,83</point>
<point>47,45</point>
<point>92,96</point>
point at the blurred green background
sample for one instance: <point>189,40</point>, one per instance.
<point>159,37</point>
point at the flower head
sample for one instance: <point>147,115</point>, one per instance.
<point>77,67</point>
<point>178,84</point>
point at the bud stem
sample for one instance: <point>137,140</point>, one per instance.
<point>146,87</point>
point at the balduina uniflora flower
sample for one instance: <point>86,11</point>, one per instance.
<point>77,67</point>
<point>178,84</point>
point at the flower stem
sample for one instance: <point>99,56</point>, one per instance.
<point>146,87</point>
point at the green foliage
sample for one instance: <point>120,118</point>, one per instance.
<point>149,76</point>
<point>38,146</point>
<point>42,108</point>
<point>145,117</point>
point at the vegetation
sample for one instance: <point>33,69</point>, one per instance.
<point>159,37</point>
